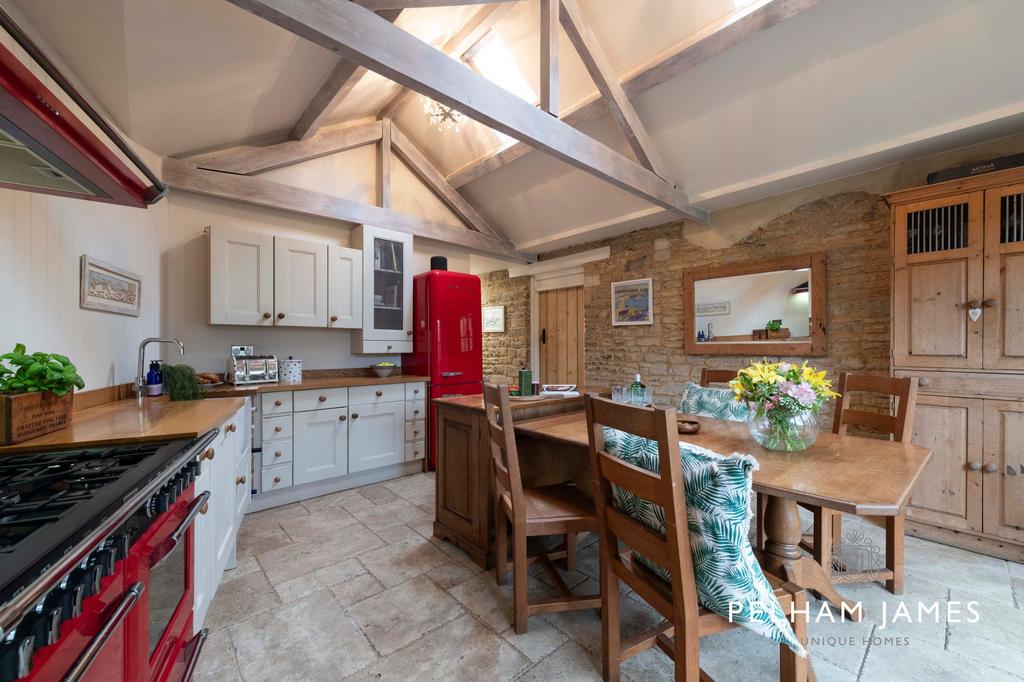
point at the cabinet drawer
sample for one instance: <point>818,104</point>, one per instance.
<point>370,347</point>
<point>279,402</point>
<point>415,430</point>
<point>277,428</point>
<point>414,409</point>
<point>414,451</point>
<point>322,399</point>
<point>417,391</point>
<point>277,453</point>
<point>385,393</point>
<point>276,478</point>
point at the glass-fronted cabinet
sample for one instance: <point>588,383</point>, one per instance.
<point>387,290</point>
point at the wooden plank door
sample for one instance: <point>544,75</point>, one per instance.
<point>938,270</point>
<point>1004,469</point>
<point>949,492</point>
<point>560,313</point>
<point>1003,305</point>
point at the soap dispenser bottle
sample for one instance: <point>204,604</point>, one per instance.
<point>154,379</point>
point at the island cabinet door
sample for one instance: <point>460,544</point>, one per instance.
<point>949,491</point>
<point>463,467</point>
<point>938,282</point>
<point>376,435</point>
<point>241,277</point>
<point>1003,305</point>
<point>320,448</point>
<point>1004,469</point>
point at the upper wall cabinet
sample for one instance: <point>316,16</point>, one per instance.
<point>241,277</point>
<point>387,291</point>
<point>300,283</point>
<point>259,279</point>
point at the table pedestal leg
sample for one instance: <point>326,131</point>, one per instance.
<point>783,558</point>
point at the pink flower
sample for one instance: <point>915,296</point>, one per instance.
<point>803,393</point>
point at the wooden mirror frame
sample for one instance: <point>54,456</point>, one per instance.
<point>819,308</point>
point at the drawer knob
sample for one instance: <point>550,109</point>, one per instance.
<point>355,415</point>
<point>416,453</point>
<point>231,428</point>
<point>342,418</point>
<point>409,333</point>
<point>205,508</point>
<point>380,393</point>
<point>277,429</point>
<point>322,399</point>
<point>277,479</point>
<point>280,316</point>
<point>991,468</point>
<point>266,316</point>
<point>974,465</point>
<point>390,347</point>
<point>334,318</point>
<point>278,453</point>
<point>240,480</point>
<point>989,303</point>
<point>208,454</point>
<point>924,381</point>
<point>277,403</point>
<point>415,433</point>
<point>415,411</point>
<point>415,391</point>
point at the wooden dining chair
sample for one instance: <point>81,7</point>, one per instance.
<point>676,601</point>
<point>559,509</point>
<point>716,376</point>
<point>828,524</point>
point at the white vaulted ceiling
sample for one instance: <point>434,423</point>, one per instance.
<point>842,87</point>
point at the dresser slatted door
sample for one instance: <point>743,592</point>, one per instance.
<point>1003,305</point>
<point>949,492</point>
<point>1004,469</point>
<point>938,270</point>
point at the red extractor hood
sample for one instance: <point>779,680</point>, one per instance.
<point>53,141</point>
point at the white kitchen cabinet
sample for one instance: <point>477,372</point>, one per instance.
<point>376,435</point>
<point>345,288</point>
<point>300,283</point>
<point>241,277</point>
<point>204,572</point>
<point>320,439</point>
<point>387,291</point>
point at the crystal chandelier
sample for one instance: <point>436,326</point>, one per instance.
<point>442,116</point>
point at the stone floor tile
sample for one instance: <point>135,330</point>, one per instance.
<point>217,662</point>
<point>739,655</point>
<point>319,526</point>
<point>411,486</point>
<point>460,651</point>
<point>257,535</point>
<point>400,533</point>
<point>925,662</point>
<point>301,558</point>
<point>452,573</point>
<point>1016,569</point>
<point>285,511</point>
<point>1017,585</point>
<point>356,589</point>
<point>569,663</point>
<point>243,567</point>
<point>842,643</point>
<point>541,639</point>
<point>398,616</point>
<point>304,585</point>
<point>339,499</point>
<point>492,603</point>
<point>378,494</point>
<point>391,513</point>
<point>300,642</point>
<point>585,626</point>
<point>984,577</point>
<point>882,608</point>
<point>996,639</point>
<point>239,599</point>
<point>394,564</point>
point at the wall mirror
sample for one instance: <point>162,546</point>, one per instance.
<point>769,307</point>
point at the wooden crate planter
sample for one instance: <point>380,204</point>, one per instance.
<point>29,415</point>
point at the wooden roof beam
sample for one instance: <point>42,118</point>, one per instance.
<point>183,175</point>
<point>362,37</point>
<point>471,32</point>
<point>413,4</point>
<point>342,79</point>
<point>710,41</point>
<point>549,56</point>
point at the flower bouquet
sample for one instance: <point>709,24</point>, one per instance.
<point>784,401</point>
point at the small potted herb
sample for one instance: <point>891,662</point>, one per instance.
<point>775,330</point>
<point>36,393</point>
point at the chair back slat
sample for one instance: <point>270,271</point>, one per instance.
<point>665,488</point>
<point>502,437</point>
<point>902,389</point>
<point>716,376</point>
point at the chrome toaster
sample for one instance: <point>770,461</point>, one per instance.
<point>244,367</point>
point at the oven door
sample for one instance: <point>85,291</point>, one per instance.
<point>162,623</point>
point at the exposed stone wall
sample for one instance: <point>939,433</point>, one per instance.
<point>852,229</point>
<point>505,353</point>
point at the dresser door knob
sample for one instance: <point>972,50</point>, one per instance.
<point>322,399</point>
<point>924,381</point>
<point>342,418</point>
<point>277,479</point>
<point>380,393</point>
<point>989,303</point>
<point>205,508</point>
<point>409,333</point>
<point>278,453</point>
<point>266,316</point>
<point>280,316</point>
<point>974,465</point>
<point>240,480</point>
<point>277,429</point>
<point>991,468</point>
<point>277,403</point>
<point>231,428</point>
<point>334,318</point>
<point>208,454</point>
<point>355,415</point>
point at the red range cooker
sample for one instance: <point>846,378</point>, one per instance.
<point>96,557</point>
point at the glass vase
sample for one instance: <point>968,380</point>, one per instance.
<point>784,433</point>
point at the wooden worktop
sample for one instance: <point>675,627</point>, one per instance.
<point>122,421</point>
<point>855,475</point>
<point>313,383</point>
<point>475,403</point>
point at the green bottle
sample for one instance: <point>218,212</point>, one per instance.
<point>525,382</point>
<point>636,390</point>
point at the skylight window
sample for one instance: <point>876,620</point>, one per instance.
<point>492,59</point>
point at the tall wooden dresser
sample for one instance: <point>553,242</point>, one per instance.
<point>958,325</point>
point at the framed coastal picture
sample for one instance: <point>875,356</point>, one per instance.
<point>632,302</point>
<point>110,289</point>
<point>705,309</point>
<point>494,318</point>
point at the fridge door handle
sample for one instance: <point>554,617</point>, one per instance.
<point>451,374</point>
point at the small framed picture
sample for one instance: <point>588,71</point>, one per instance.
<point>706,309</point>
<point>109,289</point>
<point>632,302</point>
<point>494,318</point>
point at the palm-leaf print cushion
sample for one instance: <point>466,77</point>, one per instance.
<point>718,403</point>
<point>718,513</point>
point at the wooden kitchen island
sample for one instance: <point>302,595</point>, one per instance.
<point>465,483</point>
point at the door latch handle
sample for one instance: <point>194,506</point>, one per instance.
<point>543,335</point>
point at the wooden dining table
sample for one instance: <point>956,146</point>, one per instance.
<point>855,475</point>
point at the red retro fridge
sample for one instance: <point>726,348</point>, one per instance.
<point>446,338</point>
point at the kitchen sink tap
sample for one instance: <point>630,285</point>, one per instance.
<point>140,377</point>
